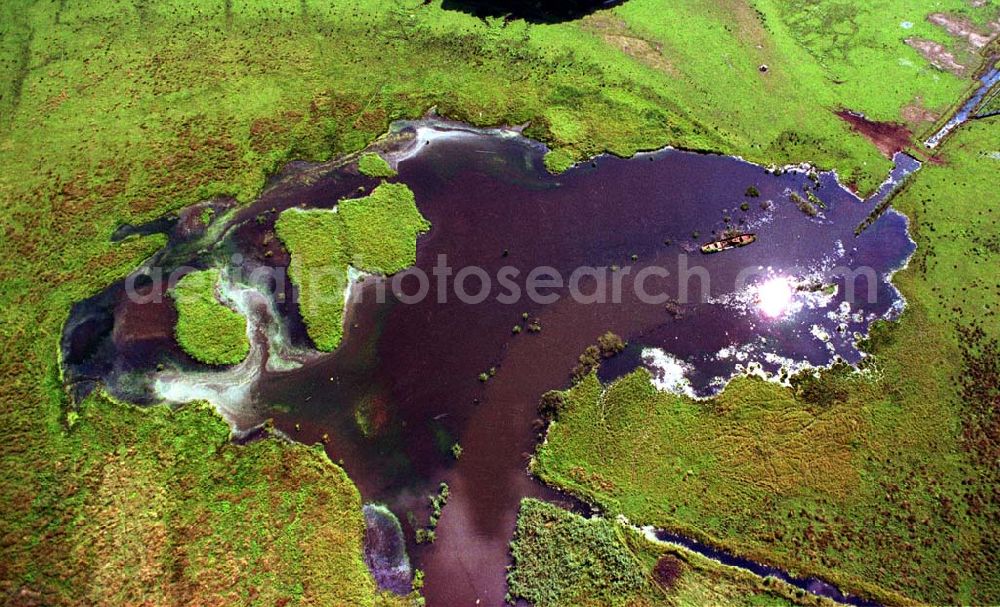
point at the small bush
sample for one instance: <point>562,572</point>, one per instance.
<point>551,405</point>
<point>610,344</point>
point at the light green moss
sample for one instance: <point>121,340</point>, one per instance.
<point>376,233</point>
<point>558,161</point>
<point>382,229</point>
<point>207,329</point>
<point>373,165</point>
<point>315,239</point>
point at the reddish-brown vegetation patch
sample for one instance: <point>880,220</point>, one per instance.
<point>616,32</point>
<point>191,161</point>
<point>961,27</point>
<point>667,570</point>
<point>915,113</point>
<point>888,137</point>
<point>980,384</point>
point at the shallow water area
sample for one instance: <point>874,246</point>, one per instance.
<point>405,386</point>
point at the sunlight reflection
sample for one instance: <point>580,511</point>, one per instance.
<point>774,296</point>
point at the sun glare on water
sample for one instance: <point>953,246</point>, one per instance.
<point>774,297</point>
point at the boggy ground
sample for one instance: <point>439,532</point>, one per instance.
<point>167,511</point>
<point>563,559</point>
<point>116,112</point>
<point>885,477</point>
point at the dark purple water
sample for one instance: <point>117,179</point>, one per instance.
<point>404,387</point>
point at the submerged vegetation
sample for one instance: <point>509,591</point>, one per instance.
<point>807,206</point>
<point>376,233</point>
<point>208,330</point>
<point>815,200</point>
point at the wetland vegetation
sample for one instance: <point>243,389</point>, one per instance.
<point>562,559</point>
<point>876,478</point>
<point>157,487</point>
<point>115,113</point>
<point>207,329</point>
<point>373,165</point>
<point>376,233</point>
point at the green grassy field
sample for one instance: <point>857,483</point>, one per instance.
<point>162,509</point>
<point>206,328</point>
<point>382,229</point>
<point>885,477</point>
<point>563,559</point>
<point>376,233</point>
<point>114,112</point>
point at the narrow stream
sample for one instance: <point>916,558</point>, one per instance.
<point>811,585</point>
<point>990,79</point>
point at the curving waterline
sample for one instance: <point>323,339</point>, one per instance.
<point>231,390</point>
<point>385,550</point>
<point>670,373</point>
<point>812,585</point>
